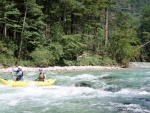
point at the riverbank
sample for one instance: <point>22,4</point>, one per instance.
<point>65,68</point>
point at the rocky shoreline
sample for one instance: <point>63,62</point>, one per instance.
<point>65,68</point>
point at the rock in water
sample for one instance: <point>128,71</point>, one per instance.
<point>82,84</point>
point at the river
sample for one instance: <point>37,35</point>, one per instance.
<point>110,91</point>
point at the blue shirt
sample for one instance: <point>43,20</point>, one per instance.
<point>18,73</point>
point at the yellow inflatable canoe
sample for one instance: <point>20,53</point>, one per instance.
<point>12,83</point>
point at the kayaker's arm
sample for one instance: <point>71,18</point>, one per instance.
<point>14,70</point>
<point>18,74</point>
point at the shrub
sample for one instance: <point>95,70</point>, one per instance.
<point>69,63</point>
<point>6,60</point>
<point>95,60</point>
<point>45,56</point>
<point>41,56</point>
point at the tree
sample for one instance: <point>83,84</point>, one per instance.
<point>144,34</point>
<point>33,25</point>
<point>73,46</point>
<point>123,40</point>
<point>9,19</point>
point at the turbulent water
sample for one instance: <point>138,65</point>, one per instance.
<point>110,91</point>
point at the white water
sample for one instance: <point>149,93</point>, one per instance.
<point>124,91</point>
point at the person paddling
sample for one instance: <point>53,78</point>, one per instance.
<point>42,75</point>
<point>19,74</point>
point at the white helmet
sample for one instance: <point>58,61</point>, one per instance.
<point>20,67</point>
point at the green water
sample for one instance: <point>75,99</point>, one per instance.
<point>111,91</point>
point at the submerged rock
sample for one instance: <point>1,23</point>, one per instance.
<point>82,84</point>
<point>112,89</point>
<point>106,77</point>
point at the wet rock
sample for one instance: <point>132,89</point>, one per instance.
<point>106,77</point>
<point>82,84</point>
<point>127,103</point>
<point>112,89</point>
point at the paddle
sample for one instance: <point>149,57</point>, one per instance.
<point>12,73</point>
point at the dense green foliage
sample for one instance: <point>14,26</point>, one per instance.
<point>74,32</point>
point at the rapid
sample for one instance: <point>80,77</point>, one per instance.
<point>106,91</point>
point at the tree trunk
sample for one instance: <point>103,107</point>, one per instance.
<point>5,29</point>
<point>143,45</point>
<point>64,19</point>
<point>72,23</point>
<point>96,41</point>
<point>14,35</point>
<point>22,32</point>
<point>106,27</point>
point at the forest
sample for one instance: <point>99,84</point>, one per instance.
<point>74,32</point>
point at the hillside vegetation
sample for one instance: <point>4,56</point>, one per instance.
<point>74,32</point>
